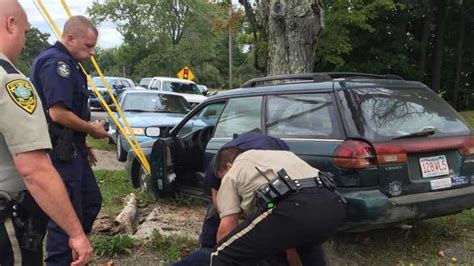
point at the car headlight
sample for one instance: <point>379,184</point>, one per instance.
<point>136,130</point>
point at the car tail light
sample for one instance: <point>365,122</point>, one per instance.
<point>468,146</point>
<point>354,154</point>
<point>390,153</point>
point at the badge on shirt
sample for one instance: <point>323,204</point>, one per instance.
<point>63,70</point>
<point>21,92</point>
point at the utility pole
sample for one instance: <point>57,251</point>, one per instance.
<point>230,47</point>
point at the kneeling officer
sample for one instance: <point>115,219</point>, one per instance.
<point>286,204</point>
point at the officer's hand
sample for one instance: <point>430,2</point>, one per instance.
<point>91,155</point>
<point>81,250</point>
<point>99,130</point>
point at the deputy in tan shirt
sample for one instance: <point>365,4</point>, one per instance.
<point>24,163</point>
<point>300,221</point>
<point>237,191</point>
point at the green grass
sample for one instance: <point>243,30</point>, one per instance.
<point>114,186</point>
<point>469,116</point>
<point>111,246</point>
<point>172,247</point>
<point>100,144</point>
<point>419,246</point>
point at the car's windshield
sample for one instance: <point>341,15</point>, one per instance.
<point>98,82</point>
<point>144,82</point>
<point>180,87</point>
<point>386,113</point>
<point>151,102</point>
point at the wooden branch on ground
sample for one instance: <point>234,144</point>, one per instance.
<point>126,218</point>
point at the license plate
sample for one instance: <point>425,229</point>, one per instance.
<point>434,166</point>
<point>440,183</point>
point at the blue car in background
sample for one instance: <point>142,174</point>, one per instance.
<point>117,85</point>
<point>142,109</point>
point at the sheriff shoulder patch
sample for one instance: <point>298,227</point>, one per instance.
<point>63,70</point>
<point>21,92</point>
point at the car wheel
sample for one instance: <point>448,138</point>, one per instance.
<point>121,154</point>
<point>144,180</point>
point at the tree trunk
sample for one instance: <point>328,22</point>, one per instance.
<point>293,30</point>
<point>425,34</point>
<point>459,60</point>
<point>441,13</point>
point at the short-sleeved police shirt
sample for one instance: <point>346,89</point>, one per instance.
<point>23,126</point>
<point>236,193</point>
<point>59,80</point>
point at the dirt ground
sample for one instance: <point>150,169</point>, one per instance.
<point>168,219</point>
<point>107,160</point>
<point>171,219</point>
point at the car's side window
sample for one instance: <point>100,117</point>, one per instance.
<point>301,115</point>
<point>155,85</point>
<point>206,117</point>
<point>240,115</point>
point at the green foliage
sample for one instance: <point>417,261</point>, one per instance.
<point>100,144</point>
<point>115,186</point>
<point>190,33</point>
<point>108,246</point>
<point>172,247</point>
<point>36,42</point>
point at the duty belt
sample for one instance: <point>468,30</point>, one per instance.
<point>311,182</point>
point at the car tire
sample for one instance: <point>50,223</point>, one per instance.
<point>121,154</point>
<point>143,180</point>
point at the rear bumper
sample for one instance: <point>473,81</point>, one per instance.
<point>372,209</point>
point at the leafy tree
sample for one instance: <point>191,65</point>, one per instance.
<point>36,41</point>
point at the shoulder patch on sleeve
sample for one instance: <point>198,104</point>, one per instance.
<point>9,68</point>
<point>63,69</point>
<point>22,94</point>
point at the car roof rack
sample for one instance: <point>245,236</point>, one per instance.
<point>316,77</point>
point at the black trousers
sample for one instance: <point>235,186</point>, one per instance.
<point>301,221</point>
<point>10,252</point>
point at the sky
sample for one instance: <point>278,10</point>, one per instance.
<point>108,35</point>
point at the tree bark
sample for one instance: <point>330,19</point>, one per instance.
<point>126,218</point>
<point>459,59</point>
<point>425,34</point>
<point>441,14</point>
<point>293,30</point>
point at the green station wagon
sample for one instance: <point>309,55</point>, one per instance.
<point>398,151</point>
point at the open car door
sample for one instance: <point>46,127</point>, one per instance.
<point>178,161</point>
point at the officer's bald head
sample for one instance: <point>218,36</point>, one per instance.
<point>80,37</point>
<point>78,26</point>
<point>13,27</point>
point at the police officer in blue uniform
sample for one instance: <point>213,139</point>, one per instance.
<point>62,87</point>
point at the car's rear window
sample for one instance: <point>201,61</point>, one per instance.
<point>380,114</point>
<point>179,87</point>
<point>302,116</point>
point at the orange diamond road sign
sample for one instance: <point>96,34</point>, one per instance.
<point>185,73</point>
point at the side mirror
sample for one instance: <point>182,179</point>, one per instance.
<point>113,108</point>
<point>204,93</point>
<point>152,132</point>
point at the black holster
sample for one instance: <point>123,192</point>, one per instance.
<point>30,221</point>
<point>275,190</point>
<point>62,139</point>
